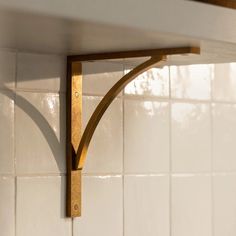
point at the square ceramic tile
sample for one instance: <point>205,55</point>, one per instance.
<point>224,82</point>
<point>6,132</point>
<point>146,136</point>
<point>224,136</point>
<point>146,205</point>
<point>40,133</point>
<point>7,206</point>
<point>191,137</point>
<point>102,209</point>
<point>191,82</point>
<point>7,69</point>
<point>224,205</point>
<point>41,207</point>
<point>105,153</point>
<point>154,82</point>
<point>41,72</point>
<point>191,205</point>
<point>99,77</point>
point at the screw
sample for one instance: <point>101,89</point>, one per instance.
<point>76,207</point>
<point>77,94</point>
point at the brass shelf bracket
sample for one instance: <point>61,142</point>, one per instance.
<point>77,145</point>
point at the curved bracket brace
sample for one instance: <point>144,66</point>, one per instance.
<point>105,103</point>
<point>76,159</point>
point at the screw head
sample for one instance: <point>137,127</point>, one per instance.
<point>76,207</point>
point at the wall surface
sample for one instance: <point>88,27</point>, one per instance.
<point>162,161</point>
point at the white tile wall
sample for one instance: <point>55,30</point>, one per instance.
<point>224,204</point>
<point>102,207</point>
<point>224,82</point>
<point>41,207</point>
<point>6,132</point>
<point>191,82</point>
<point>191,137</point>
<point>224,134</point>
<point>146,127</point>
<point>160,163</point>
<point>7,206</point>
<point>105,154</point>
<point>191,205</point>
<point>154,82</point>
<point>146,205</point>
<point>7,69</point>
<point>40,118</point>
<point>41,72</point>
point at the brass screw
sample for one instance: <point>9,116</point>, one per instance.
<point>76,207</point>
<point>77,94</point>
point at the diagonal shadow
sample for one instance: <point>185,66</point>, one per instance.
<point>41,122</point>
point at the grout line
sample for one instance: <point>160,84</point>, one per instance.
<point>170,156</point>
<point>123,155</point>
<point>14,145</point>
<point>212,169</point>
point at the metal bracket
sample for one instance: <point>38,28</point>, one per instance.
<point>77,146</point>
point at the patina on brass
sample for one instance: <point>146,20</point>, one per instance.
<point>77,147</point>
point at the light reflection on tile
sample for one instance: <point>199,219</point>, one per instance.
<point>191,137</point>
<point>224,82</point>
<point>146,136</point>
<point>154,82</point>
<point>191,82</point>
<point>224,136</point>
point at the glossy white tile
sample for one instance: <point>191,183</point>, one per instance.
<point>40,133</point>
<point>146,206</point>
<point>191,205</point>
<point>191,82</point>
<point>224,135</point>
<point>224,82</point>
<point>7,69</point>
<point>7,206</point>
<point>224,204</point>
<point>106,148</point>
<point>99,77</point>
<point>41,72</point>
<point>102,207</point>
<point>41,207</point>
<point>6,132</point>
<point>191,137</point>
<point>154,82</point>
<point>146,136</point>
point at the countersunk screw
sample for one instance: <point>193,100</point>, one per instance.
<point>76,207</point>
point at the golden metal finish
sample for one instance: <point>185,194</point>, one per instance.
<point>134,54</point>
<point>74,108</point>
<point>76,159</point>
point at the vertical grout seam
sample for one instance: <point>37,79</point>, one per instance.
<point>123,157</point>
<point>170,155</point>
<point>14,145</point>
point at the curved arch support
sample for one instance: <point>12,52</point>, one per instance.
<point>105,103</point>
